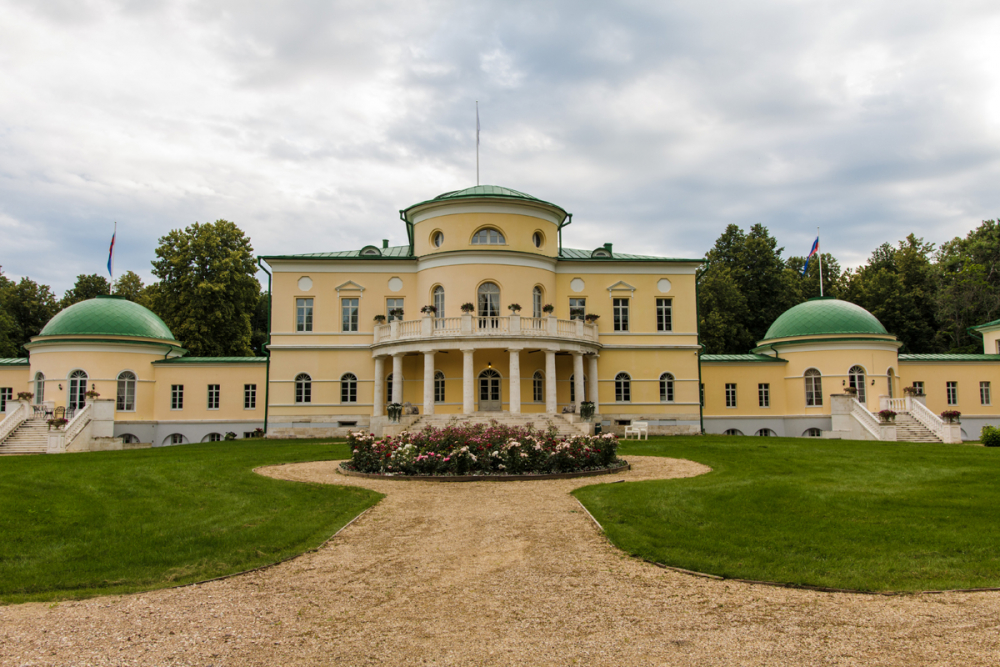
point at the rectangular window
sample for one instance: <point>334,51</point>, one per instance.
<point>663,315</point>
<point>6,394</point>
<point>984,393</point>
<point>349,314</point>
<point>919,386</point>
<point>730,394</point>
<point>577,309</point>
<point>176,397</point>
<point>620,314</point>
<point>213,397</point>
<point>537,388</point>
<point>764,395</point>
<point>304,314</point>
<point>952,393</point>
<point>394,306</point>
<point>249,397</point>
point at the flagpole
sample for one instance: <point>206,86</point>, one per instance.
<point>477,142</point>
<point>819,251</point>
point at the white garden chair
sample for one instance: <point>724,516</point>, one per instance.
<point>639,429</point>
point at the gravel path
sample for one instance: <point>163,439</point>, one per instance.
<point>494,574</point>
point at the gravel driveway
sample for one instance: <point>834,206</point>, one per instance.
<point>494,574</point>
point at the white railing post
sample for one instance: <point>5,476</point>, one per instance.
<point>394,330</point>
<point>467,324</point>
<point>515,323</point>
<point>553,325</point>
<point>427,325</point>
<point>14,419</point>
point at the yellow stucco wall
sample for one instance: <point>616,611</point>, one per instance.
<point>195,378</point>
<point>968,375</point>
<point>458,230</point>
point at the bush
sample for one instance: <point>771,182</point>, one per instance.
<point>990,436</point>
<point>481,449</point>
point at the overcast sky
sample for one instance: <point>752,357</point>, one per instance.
<point>310,124</point>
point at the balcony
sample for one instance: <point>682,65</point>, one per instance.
<point>483,327</point>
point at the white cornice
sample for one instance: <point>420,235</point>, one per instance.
<point>625,268</point>
<point>479,257</point>
<point>335,265</point>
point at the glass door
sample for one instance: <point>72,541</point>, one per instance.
<point>489,391</point>
<point>489,306</point>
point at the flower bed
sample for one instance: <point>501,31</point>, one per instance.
<point>481,449</point>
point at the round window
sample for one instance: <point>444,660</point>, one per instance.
<point>438,239</point>
<point>537,239</point>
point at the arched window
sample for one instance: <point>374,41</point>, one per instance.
<point>77,390</point>
<point>437,296</point>
<point>536,301</point>
<point>303,388</point>
<point>129,439</point>
<point>213,437</point>
<point>175,439</point>
<point>489,306</point>
<point>572,388</point>
<point>388,388</point>
<point>666,388</point>
<point>890,376</point>
<point>812,433</point>
<point>488,236</point>
<point>623,388</point>
<point>538,387</point>
<point>39,388</point>
<point>766,432</point>
<point>857,380</point>
<point>126,392</point>
<point>814,388</point>
<point>438,387</point>
<point>348,388</point>
<point>733,431</point>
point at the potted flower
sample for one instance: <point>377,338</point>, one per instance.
<point>92,394</point>
<point>396,313</point>
<point>25,396</point>
<point>230,436</point>
<point>851,391</point>
<point>586,410</point>
<point>515,308</point>
<point>58,422</point>
<point>548,309</point>
<point>429,310</point>
<point>887,416</point>
<point>394,410</point>
<point>591,318</point>
<point>468,307</point>
<point>379,319</point>
<point>951,416</point>
<point>912,391</point>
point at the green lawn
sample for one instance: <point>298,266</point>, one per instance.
<point>842,514</point>
<point>78,525</point>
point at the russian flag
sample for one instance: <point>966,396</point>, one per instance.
<point>815,249</point>
<point>111,256</point>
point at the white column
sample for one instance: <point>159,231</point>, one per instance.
<point>578,379</point>
<point>468,383</point>
<point>515,381</point>
<point>379,399</point>
<point>397,378</point>
<point>429,382</point>
<point>550,382</point>
<point>594,396</point>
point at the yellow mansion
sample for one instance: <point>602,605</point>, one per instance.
<point>484,313</point>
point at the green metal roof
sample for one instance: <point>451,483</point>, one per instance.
<point>824,315</point>
<point>576,254</point>
<point>486,192</point>
<point>949,357</point>
<point>755,358</point>
<point>16,361</point>
<point>213,360</point>
<point>983,326</point>
<point>393,252</point>
<point>107,316</point>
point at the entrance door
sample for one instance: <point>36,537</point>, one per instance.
<point>489,391</point>
<point>77,390</point>
<point>489,306</point>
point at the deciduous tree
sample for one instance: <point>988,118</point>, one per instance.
<point>86,287</point>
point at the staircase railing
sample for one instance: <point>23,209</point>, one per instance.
<point>931,421</point>
<point>14,419</point>
<point>80,419</point>
<point>894,404</point>
<point>866,419</point>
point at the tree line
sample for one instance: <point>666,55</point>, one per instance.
<point>207,293</point>
<point>928,297</point>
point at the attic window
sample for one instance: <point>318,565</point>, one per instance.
<point>371,251</point>
<point>601,252</point>
<point>488,236</point>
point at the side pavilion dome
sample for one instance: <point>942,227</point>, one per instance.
<point>108,315</point>
<point>824,316</point>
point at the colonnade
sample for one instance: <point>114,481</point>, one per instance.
<point>469,381</point>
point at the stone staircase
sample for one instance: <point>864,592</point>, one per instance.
<point>31,437</point>
<point>908,429</point>
<point>538,421</point>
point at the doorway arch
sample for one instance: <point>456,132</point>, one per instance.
<point>489,391</point>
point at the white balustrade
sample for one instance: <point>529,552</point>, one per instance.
<point>474,325</point>
<point>447,326</point>
<point>381,332</point>
<point>566,328</point>
<point>866,419</point>
<point>895,404</point>
<point>14,419</point>
<point>80,419</point>
<point>933,423</point>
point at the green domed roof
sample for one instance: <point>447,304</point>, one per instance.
<point>107,316</point>
<point>824,315</point>
<point>487,192</point>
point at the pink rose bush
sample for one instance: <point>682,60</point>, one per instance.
<point>481,449</point>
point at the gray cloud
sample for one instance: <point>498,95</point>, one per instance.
<point>311,124</point>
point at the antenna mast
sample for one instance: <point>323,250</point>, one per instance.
<point>477,142</point>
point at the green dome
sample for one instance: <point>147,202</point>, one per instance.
<point>107,316</point>
<point>824,315</point>
<point>487,192</point>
